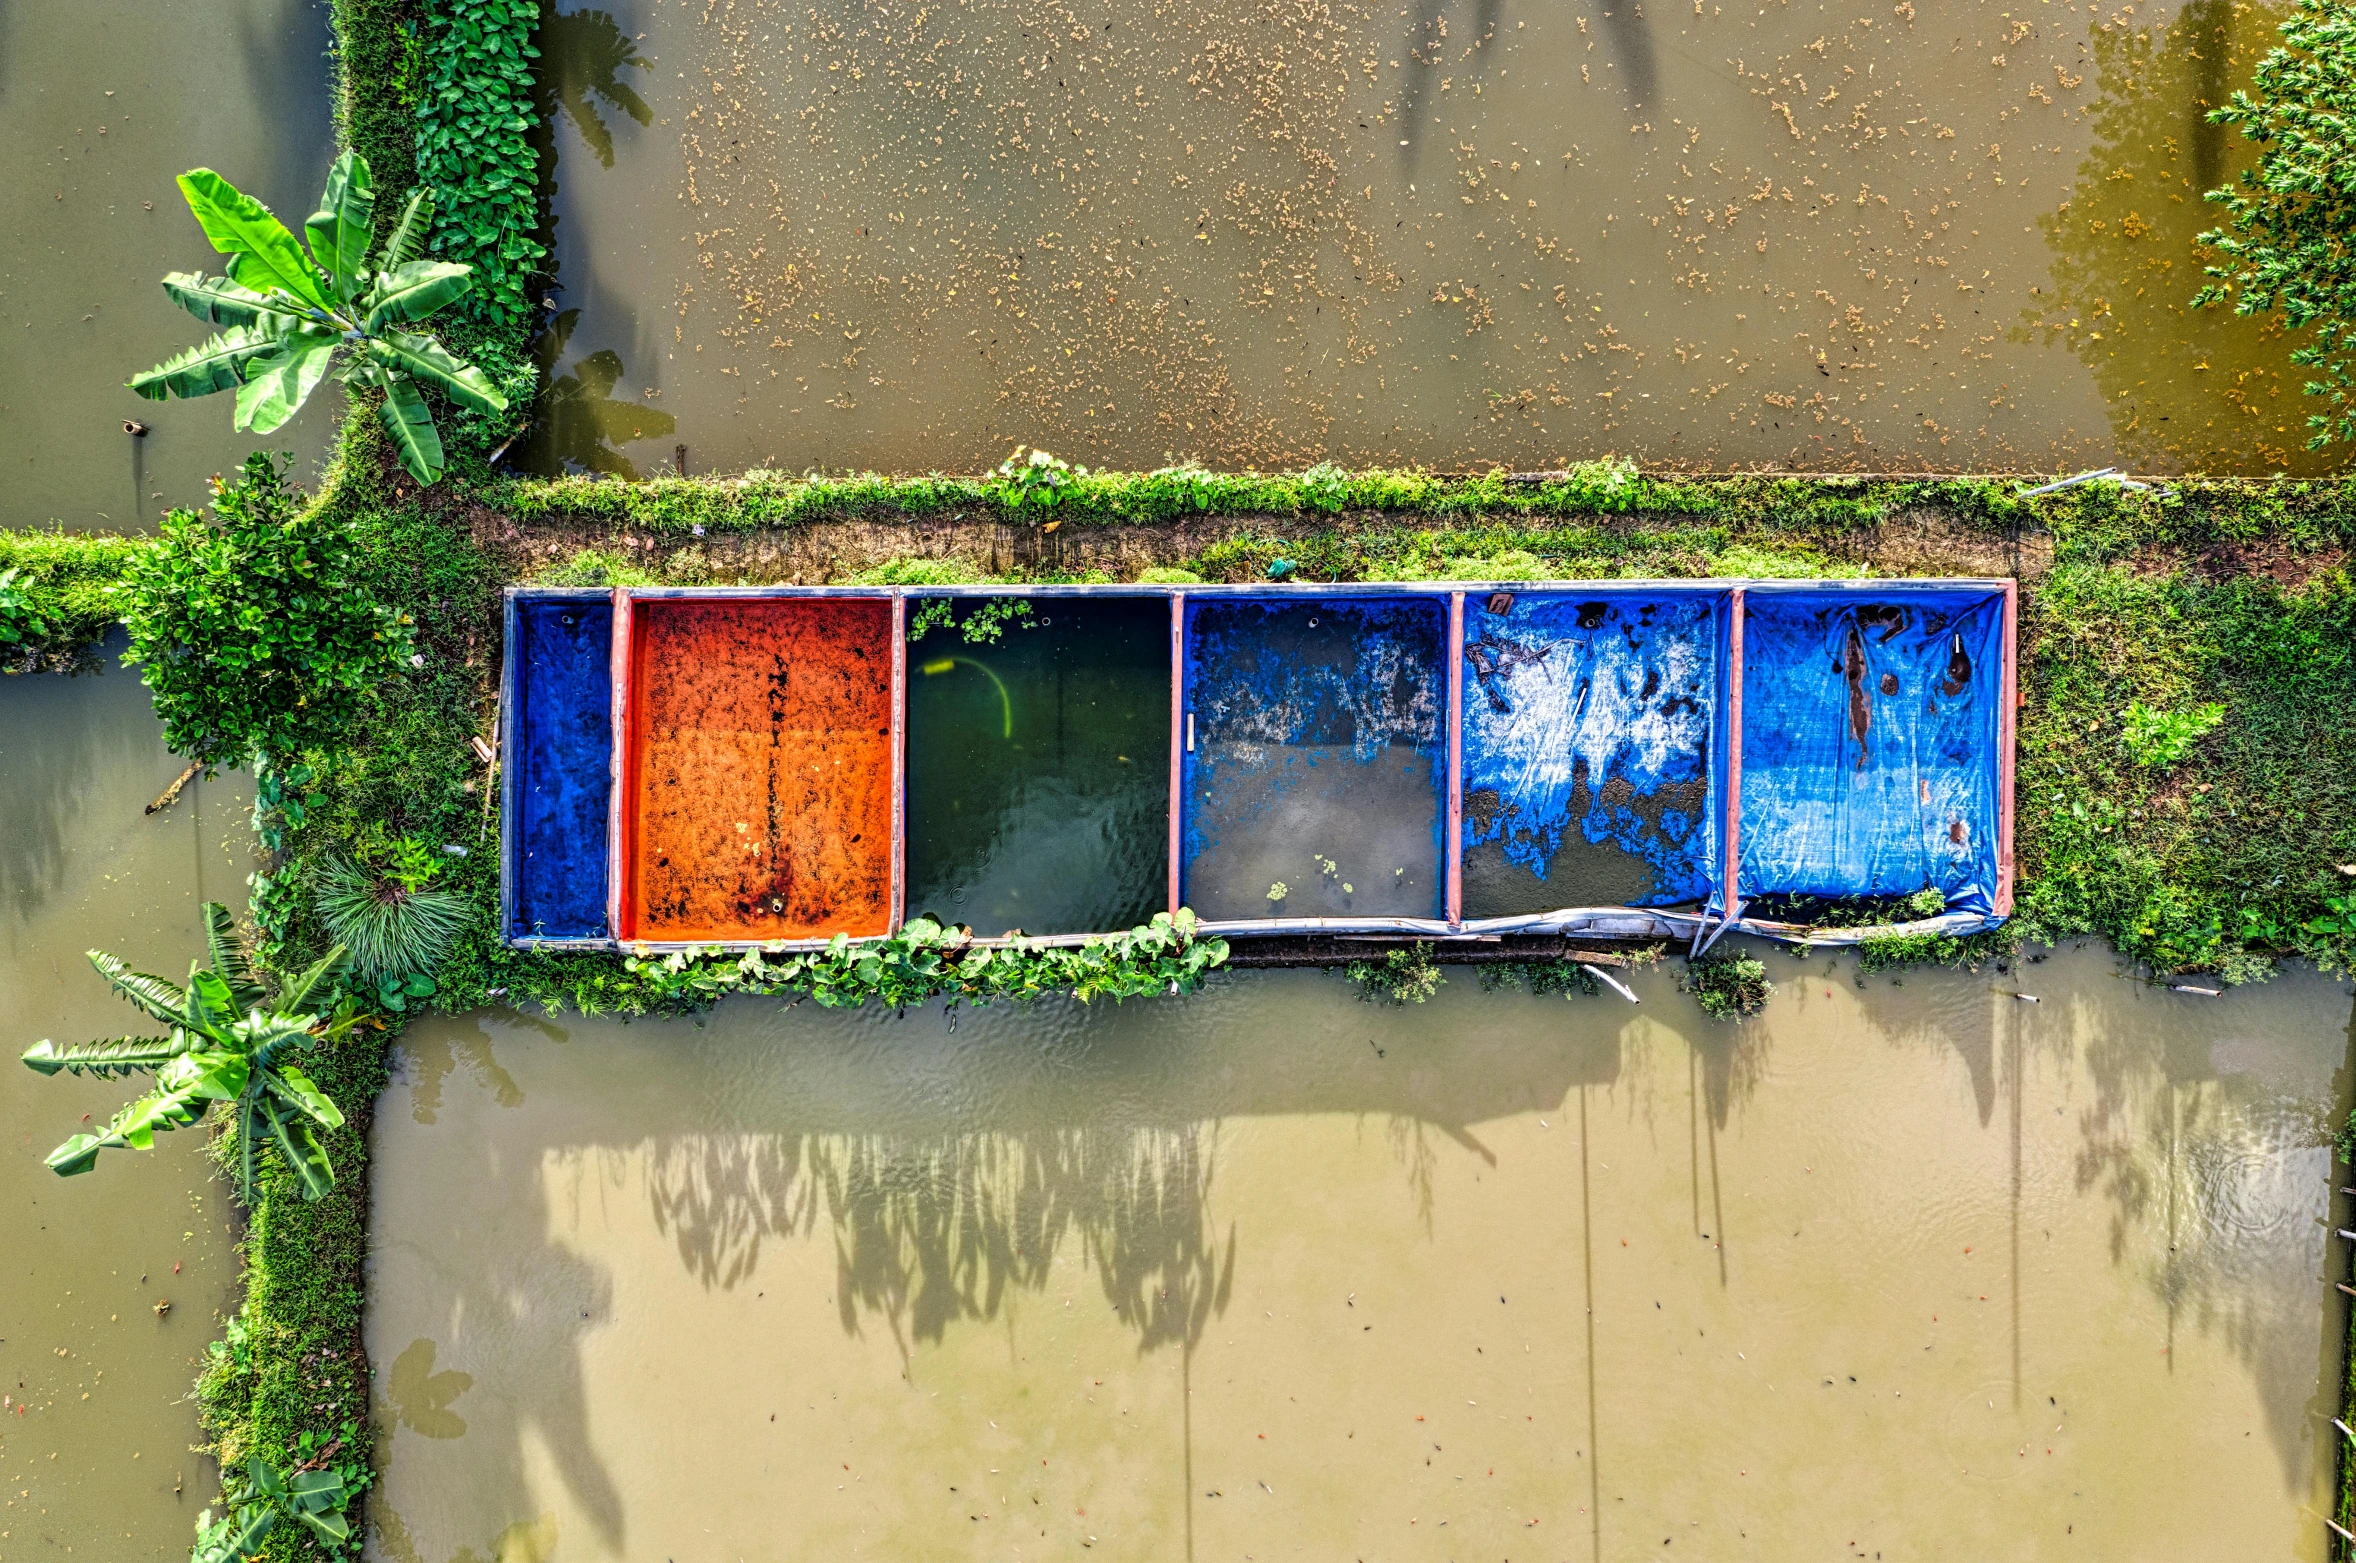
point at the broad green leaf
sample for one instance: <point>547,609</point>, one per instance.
<point>233,1538</point>
<point>265,1477</point>
<point>328,1526</point>
<point>230,959</point>
<point>411,424</point>
<point>109,1059</point>
<point>211,1076</point>
<point>298,992</point>
<point>407,240</point>
<point>219,301</point>
<point>340,230</point>
<point>423,358</point>
<point>315,1492</point>
<point>276,387</point>
<point>291,1086</point>
<point>152,994</point>
<point>239,225</point>
<point>134,1127</point>
<point>212,1009</point>
<point>414,291</point>
<point>217,364</point>
<point>300,1149</point>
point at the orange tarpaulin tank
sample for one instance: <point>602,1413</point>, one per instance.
<point>760,796</point>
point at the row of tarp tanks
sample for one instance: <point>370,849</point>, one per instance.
<point>764,767</point>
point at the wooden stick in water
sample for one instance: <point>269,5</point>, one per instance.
<point>171,795</point>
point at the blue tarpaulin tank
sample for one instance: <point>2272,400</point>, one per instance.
<point>559,745</point>
<point>1871,723</point>
<point>1589,737</point>
<point>1315,766</point>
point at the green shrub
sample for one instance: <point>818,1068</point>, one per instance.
<point>474,151</point>
<point>20,623</point>
<point>1034,480</point>
<point>2158,739</point>
<point>255,630</point>
<point>1167,575</point>
<point>395,932</point>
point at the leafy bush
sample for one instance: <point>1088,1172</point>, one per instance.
<point>255,630</point>
<point>927,959</point>
<point>1034,480</point>
<point>1405,976</point>
<point>1727,987</point>
<point>1167,575</point>
<point>474,150</point>
<point>2158,739</point>
<point>2294,210</point>
<point>20,624</point>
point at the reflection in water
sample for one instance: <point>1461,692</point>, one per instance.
<point>2178,381</point>
<point>1225,1278</point>
<point>577,424</point>
<point>583,54</point>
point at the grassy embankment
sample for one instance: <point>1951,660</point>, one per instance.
<point>2233,594</point>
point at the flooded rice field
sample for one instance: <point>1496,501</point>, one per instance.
<point>108,103</point>
<point>1457,232</point>
<point>1901,1268</point>
<point>95,1427</point>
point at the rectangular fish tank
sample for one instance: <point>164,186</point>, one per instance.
<point>1621,759</point>
<point>1315,762</point>
<point>1038,761</point>
<point>1593,774</point>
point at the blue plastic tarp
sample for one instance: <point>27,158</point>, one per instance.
<point>1315,778</point>
<point>561,767</point>
<point>1589,734</point>
<point>1869,742</point>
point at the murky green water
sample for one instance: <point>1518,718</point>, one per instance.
<point>1039,765</point>
<point>907,235</point>
<point>1918,1269</point>
<point>96,1428</point>
<point>106,104</point>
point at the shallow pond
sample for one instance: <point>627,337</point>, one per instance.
<point>108,102</point>
<point>910,234</point>
<point>96,1427</point>
<point>1908,1267</point>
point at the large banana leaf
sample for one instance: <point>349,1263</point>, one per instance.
<point>297,1146</point>
<point>414,291</point>
<point>408,235</point>
<point>212,1009</point>
<point>234,1537</point>
<point>318,1499</point>
<point>298,992</point>
<point>411,424</point>
<point>217,364</point>
<point>340,230</point>
<point>217,301</point>
<point>229,958</point>
<point>134,1128</point>
<point>108,1060</point>
<point>423,358</point>
<point>291,1086</point>
<point>209,1076</point>
<point>276,387</point>
<point>152,994</point>
<point>267,255</point>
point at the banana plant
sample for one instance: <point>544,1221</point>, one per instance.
<point>229,1042</point>
<point>291,315</point>
<point>316,1499</point>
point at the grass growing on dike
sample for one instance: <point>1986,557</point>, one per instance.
<point>2186,747</point>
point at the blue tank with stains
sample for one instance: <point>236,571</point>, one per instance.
<point>1870,758</point>
<point>1591,760</point>
<point>559,766</point>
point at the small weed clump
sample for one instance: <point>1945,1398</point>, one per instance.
<point>1727,987</point>
<point>1404,976</point>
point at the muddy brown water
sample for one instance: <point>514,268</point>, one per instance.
<point>911,234</point>
<point>1911,1268</point>
<point>96,1425</point>
<point>105,104</point>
